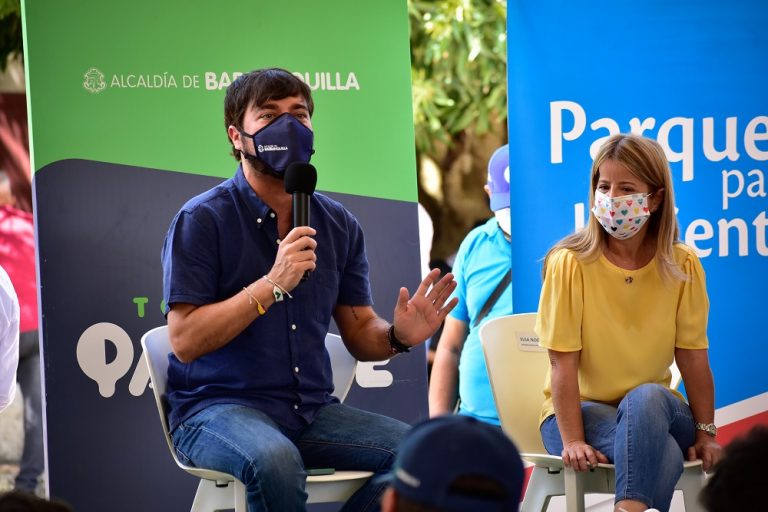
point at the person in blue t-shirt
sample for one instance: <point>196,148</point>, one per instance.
<point>482,267</point>
<point>249,381</point>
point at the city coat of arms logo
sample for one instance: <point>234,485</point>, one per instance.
<point>93,81</point>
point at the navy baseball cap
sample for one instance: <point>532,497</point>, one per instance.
<point>498,178</point>
<point>456,463</point>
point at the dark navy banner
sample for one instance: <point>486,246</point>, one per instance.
<point>690,74</point>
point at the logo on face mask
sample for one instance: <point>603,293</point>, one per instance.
<point>282,142</point>
<point>262,149</point>
<point>622,217</point>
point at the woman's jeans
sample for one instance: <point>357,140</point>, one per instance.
<point>645,437</point>
<point>271,460</point>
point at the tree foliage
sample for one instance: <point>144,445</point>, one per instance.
<point>458,61</point>
<point>458,71</point>
<point>10,31</point>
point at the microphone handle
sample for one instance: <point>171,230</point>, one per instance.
<point>301,216</point>
<point>300,209</point>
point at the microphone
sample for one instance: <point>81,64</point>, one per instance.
<point>300,180</point>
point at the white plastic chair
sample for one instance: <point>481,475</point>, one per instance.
<point>517,369</point>
<point>221,491</point>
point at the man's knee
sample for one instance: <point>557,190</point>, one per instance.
<point>276,456</point>
<point>281,461</point>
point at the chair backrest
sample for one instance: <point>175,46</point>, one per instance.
<point>156,347</point>
<point>517,369</point>
<point>342,364</point>
<point>677,377</point>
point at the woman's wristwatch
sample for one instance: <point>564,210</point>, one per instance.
<point>709,428</point>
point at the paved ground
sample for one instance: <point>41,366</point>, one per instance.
<point>11,443</point>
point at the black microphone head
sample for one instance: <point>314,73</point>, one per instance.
<point>300,178</point>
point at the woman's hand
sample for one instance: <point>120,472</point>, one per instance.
<point>706,449</point>
<point>582,457</point>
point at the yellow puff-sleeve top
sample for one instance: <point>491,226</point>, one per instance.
<point>626,323</point>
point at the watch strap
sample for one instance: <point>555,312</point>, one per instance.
<point>709,428</point>
<point>396,346</point>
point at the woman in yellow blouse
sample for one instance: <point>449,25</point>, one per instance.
<point>621,300</point>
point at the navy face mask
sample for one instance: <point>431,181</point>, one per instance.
<point>281,143</point>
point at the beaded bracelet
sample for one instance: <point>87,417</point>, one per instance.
<point>281,288</point>
<point>252,299</point>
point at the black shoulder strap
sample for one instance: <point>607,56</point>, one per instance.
<point>493,298</point>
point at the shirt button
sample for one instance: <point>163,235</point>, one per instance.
<point>296,369</point>
<point>258,221</point>
<point>272,214</point>
<point>295,407</point>
<point>278,241</point>
<point>293,326</point>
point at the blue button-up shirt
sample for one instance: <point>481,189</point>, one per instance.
<point>225,239</point>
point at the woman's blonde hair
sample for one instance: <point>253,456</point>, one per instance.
<point>646,161</point>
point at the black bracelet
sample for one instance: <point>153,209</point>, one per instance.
<point>398,347</point>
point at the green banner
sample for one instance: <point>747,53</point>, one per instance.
<point>120,94</point>
<point>142,83</point>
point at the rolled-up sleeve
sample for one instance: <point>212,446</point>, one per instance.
<point>9,340</point>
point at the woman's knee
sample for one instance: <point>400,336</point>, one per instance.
<point>650,398</point>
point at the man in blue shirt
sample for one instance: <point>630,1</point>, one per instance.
<point>483,260</point>
<point>249,381</point>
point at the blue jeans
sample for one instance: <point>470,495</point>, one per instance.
<point>271,460</point>
<point>28,375</point>
<point>645,437</point>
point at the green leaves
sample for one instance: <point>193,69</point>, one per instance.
<point>458,60</point>
<point>10,30</point>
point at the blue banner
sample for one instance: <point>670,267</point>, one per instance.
<point>692,76</point>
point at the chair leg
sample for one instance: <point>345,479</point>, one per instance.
<point>210,497</point>
<point>541,487</point>
<point>241,504</point>
<point>691,483</point>
<point>574,490</point>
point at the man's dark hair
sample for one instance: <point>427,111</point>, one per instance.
<point>739,477</point>
<point>257,88</point>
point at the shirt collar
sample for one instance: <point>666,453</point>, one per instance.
<point>492,229</point>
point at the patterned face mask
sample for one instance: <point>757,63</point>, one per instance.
<point>622,217</point>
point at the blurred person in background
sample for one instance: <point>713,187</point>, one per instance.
<point>17,257</point>
<point>17,501</point>
<point>9,340</point>
<point>738,478</point>
<point>454,464</point>
<point>483,274</point>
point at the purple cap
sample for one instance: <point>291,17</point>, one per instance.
<point>498,178</point>
<point>435,456</point>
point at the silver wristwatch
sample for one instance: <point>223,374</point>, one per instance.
<point>709,428</point>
